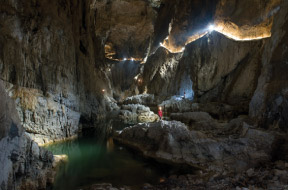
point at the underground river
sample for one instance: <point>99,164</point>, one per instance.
<point>95,158</point>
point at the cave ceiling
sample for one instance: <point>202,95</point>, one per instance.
<point>125,26</point>
<point>128,28</point>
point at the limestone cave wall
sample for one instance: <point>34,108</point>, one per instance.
<point>23,164</point>
<point>63,62</point>
<point>52,63</point>
<point>244,72</point>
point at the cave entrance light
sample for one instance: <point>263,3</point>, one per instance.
<point>211,27</point>
<point>228,29</point>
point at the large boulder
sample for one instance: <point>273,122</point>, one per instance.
<point>136,113</point>
<point>173,141</point>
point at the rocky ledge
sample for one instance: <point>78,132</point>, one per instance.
<point>136,113</point>
<point>229,155</point>
<point>229,148</point>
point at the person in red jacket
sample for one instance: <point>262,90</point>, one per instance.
<point>160,113</point>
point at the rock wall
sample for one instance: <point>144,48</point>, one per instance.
<point>246,74</point>
<point>53,65</point>
<point>269,102</point>
<point>221,68</point>
<point>45,119</point>
<point>173,141</point>
<point>52,58</point>
<point>125,27</point>
<point>23,164</point>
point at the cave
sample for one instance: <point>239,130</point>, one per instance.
<point>143,94</point>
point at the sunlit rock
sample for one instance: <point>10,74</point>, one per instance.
<point>136,113</point>
<point>59,159</point>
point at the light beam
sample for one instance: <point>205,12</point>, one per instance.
<point>211,27</point>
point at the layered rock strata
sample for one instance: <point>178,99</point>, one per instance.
<point>53,65</point>
<point>23,164</point>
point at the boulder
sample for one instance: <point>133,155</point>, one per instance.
<point>147,117</point>
<point>173,141</point>
<point>136,113</point>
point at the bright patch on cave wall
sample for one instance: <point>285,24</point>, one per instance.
<point>228,29</point>
<point>186,86</point>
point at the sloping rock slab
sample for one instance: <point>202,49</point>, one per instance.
<point>173,141</point>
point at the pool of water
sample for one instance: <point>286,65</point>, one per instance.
<point>95,158</point>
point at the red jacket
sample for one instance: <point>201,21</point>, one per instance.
<point>160,113</point>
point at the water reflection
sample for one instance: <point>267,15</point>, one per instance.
<point>96,158</point>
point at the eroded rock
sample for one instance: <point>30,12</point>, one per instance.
<point>173,141</point>
<point>136,113</point>
<point>45,118</point>
<point>23,164</point>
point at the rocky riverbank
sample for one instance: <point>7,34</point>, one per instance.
<point>230,155</point>
<point>230,148</point>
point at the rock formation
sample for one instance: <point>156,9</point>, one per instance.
<point>216,148</point>
<point>23,164</point>
<point>69,83</point>
<point>136,113</point>
<point>223,70</point>
<point>210,63</point>
<point>51,59</point>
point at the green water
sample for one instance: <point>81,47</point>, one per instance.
<point>95,158</point>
